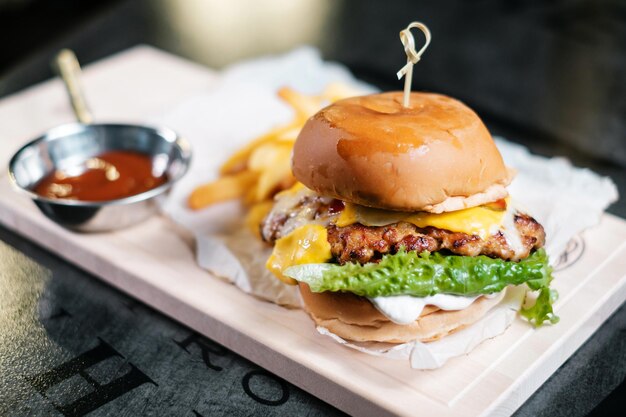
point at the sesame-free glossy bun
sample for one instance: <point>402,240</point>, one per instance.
<point>436,155</point>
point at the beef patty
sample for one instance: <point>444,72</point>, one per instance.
<point>362,244</point>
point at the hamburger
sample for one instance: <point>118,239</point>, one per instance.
<point>400,227</point>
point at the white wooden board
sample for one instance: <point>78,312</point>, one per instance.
<point>154,262</point>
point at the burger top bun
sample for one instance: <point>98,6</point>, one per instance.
<point>436,155</point>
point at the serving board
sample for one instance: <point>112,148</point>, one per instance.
<point>154,262</point>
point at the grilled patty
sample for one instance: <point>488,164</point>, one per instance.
<point>362,244</point>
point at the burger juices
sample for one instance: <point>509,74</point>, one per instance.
<point>401,227</point>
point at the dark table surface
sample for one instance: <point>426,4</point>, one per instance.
<point>546,76</point>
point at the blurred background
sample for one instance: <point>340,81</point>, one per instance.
<point>547,73</point>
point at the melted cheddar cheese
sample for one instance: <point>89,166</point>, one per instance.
<point>481,221</point>
<point>305,245</point>
<point>305,238</point>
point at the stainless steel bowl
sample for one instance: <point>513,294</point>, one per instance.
<point>69,144</point>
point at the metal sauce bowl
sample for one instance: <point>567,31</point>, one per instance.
<point>69,144</point>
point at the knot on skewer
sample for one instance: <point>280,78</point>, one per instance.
<point>412,56</point>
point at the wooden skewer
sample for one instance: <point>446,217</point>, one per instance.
<point>412,57</point>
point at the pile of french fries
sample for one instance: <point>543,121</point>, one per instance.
<point>262,168</point>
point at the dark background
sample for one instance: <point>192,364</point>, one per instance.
<point>548,74</point>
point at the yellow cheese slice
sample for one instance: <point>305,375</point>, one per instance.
<point>305,245</point>
<point>293,190</point>
<point>481,221</point>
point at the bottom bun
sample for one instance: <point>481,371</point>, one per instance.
<point>355,318</point>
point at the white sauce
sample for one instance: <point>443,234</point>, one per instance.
<point>405,309</point>
<point>510,232</point>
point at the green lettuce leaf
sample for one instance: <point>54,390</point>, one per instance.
<point>542,309</point>
<point>425,274</point>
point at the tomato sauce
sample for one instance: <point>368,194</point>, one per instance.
<point>109,176</point>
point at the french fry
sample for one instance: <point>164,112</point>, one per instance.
<point>338,91</point>
<point>223,189</point>
<point>270,180</point>
<point>261,168</point>
<point>289,135</point>
<point>256,214</point>
<point>304,105</point>
<point>272,161</point>
<point>249,198</point>
<point>238,161</point>
<point>266,155</point>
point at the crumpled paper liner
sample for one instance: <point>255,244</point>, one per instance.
<point>564,199</point>
<point>240,257</point>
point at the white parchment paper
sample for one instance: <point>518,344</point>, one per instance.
<point>244,105</point>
